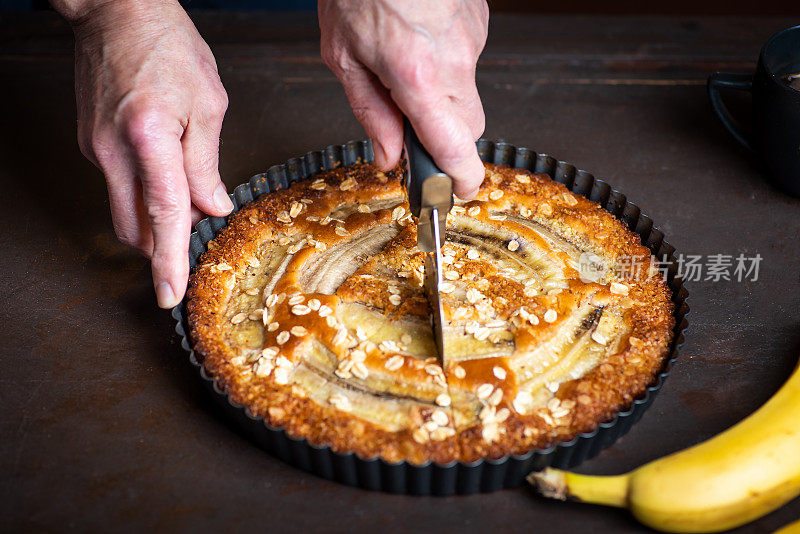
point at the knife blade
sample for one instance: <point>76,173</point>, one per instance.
<point>430,197</point>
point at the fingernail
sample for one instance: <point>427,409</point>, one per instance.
<point>165,295</point>
<point>469,196</point>
<point>221,199</point>
<point>378,153</point>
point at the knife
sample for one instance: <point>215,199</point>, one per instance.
<point>430,197</point>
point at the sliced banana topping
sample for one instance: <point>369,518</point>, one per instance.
<point>332,304</point>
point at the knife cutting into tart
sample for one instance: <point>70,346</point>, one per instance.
<point>430,197</point>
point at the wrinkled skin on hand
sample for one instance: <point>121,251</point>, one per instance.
<point>417,57</point>
<point>150,110</point>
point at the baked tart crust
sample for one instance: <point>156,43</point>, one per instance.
<point>308,310</point>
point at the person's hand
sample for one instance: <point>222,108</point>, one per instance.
<point>417,57</point>
<point>150,110</point>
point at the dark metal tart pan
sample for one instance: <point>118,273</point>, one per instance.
<point>456,477</point>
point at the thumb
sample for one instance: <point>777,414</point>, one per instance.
<point>451,144</point>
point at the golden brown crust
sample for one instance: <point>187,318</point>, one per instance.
<point>536,209</point>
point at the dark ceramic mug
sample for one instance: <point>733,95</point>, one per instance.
<point>775,135</point>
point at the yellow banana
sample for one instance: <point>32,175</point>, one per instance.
<point>729,480</point>
<point>791,528</point>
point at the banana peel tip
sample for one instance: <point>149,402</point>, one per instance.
<point>550,483</point>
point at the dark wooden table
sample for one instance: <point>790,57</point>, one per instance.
<point>105,427</point>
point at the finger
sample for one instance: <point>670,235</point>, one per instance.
<point>448,139</point>
<point>458,81</point>
<point>124,194</point>
<point>196,215</point>
<point>200,144</point>
<point>158,154</point>
<point>469,107</point>
<point>373,107</point>
<point>129,215</point>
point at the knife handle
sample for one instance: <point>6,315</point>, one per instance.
<point>426,184</point>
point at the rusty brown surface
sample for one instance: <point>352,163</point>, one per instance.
<point>104,425</point>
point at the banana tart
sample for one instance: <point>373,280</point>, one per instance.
<point>308,310</point>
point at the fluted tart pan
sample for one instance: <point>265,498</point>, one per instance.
<point>454,477</point>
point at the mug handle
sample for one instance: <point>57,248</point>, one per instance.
<point>730,80</point>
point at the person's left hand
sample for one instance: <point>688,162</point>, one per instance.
<point>150,110</point>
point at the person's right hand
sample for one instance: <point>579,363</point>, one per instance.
<point>412,57</point>
<point>150,110</point>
